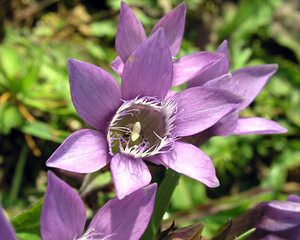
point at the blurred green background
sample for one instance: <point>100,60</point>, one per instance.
<point>37,38</point>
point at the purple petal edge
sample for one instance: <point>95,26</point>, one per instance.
<point>63,213</point>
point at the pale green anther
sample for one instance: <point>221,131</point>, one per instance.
<point>135,132</point>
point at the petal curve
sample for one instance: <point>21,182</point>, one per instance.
<point>148,71</point>
<point>215,70</point>
<point>63,213</point>
<point>173,25</point>
<point>200,108</point>
<point>249,81</point>
<point>189,66</point>
<point>136,208</point>
<point>129,174</point>
<point>84,151</point>
<point>95,93</point>
<point>256,125</point>
<point>130,33</point>
<point>192,162</point>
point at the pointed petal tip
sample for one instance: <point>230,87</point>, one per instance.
<point>151,188</point>
<point>173,23</point>
<point>182,6</point>
<point>72,62</point>
<point>214,184</point>
<point>129,175</point>
<point>124,6</point>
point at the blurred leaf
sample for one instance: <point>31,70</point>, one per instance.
<point>188,194</point>
<point>250,15</point>
<point>32,75</point>
<point>10,118</point>
<point>11,65</point>
<point>29,220</point>
<point>44,131</point>
<point>28,236</point>
<point>104,28</point>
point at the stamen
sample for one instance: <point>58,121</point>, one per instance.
<point>142,127</point>
<point>136,130</point>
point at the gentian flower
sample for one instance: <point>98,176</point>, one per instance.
<point>63,214</point>
<point>140,122</point>
<point>6,230</point>
<point>247,83</point>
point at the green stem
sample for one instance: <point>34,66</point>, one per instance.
<point>18,175</point>
<point>163,197</point>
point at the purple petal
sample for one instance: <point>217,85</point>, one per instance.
<point>148,71</point>
<point>294,198</point>
<point>63,213</point>
<point>199,108</point>
<point>130,33</point>
<point>249,81</point>
<point>189,66</point>
<point>117,65</point>
<point>257,125</point>
<point>223,82</point>
<point>191,161</point>
<point>95,94</point>
<point>280,216</point>
<point>6,230</point>
<point>271,237</point>
<point>129,174</point>
<point>215,70</point>
<point>127,218</point>
<point>226,125</point>
<point>173,25</point>
<point>84,151</point>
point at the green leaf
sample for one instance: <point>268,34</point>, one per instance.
<point>10,118</point>
<point>32,75</point>
<point>11,66</point>
<point>28,236</point>
<point>103,28</point>
<point>188,194</point>
<point>29,220</point>
<point>44,131</point>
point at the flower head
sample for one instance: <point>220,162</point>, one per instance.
<point>64,216</point>
<point>141,120</point>
<point>198,70</point>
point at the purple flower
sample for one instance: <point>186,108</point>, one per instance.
<point>246,83</point>
<point>279,220</point>
<point>63,214</point>
<point>6,230</point>
<point>199,69</point>
<point>139,121</point>
<point>131,34</point>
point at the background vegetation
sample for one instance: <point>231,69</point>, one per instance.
<point>37,38</point>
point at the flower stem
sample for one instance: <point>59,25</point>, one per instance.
<point>163,197</point>
<point>18,175</point>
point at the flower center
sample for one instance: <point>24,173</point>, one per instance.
<point>142,127</point>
